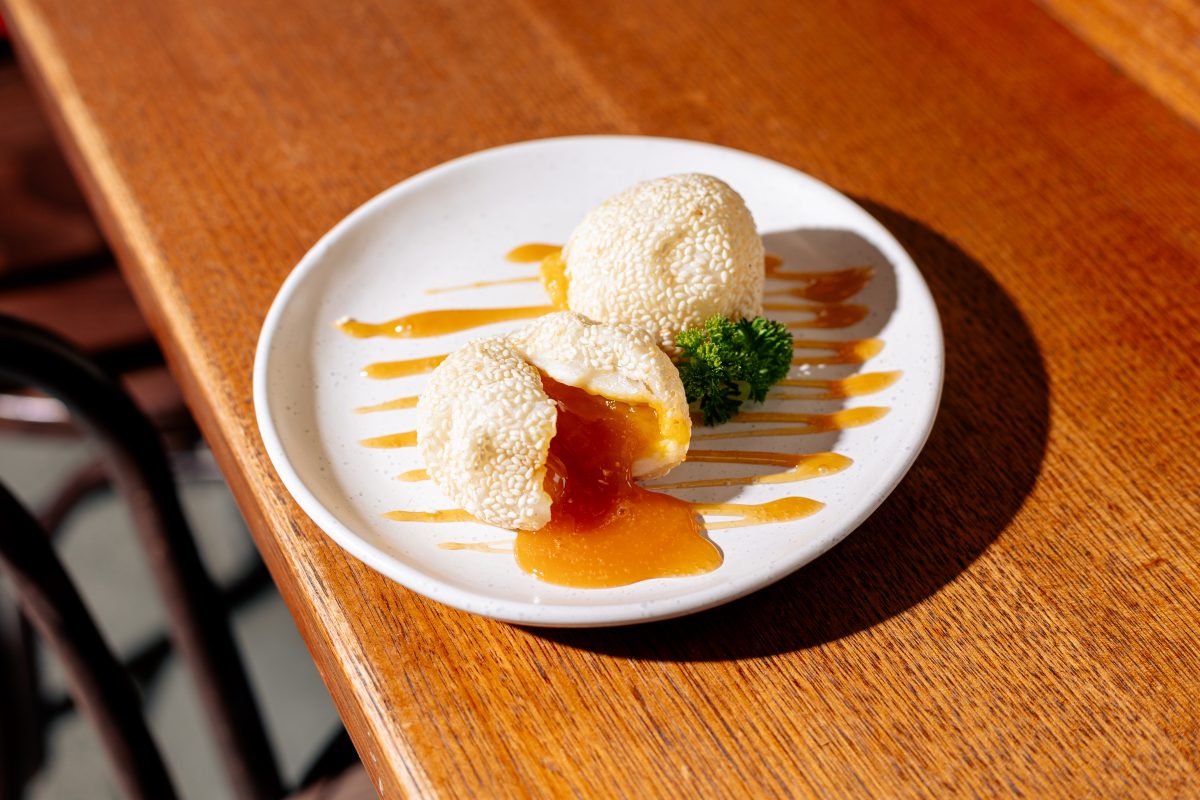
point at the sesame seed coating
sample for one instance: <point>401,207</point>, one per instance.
<point>665,255</point>
<point>484,430</point>
<point>485,422</point>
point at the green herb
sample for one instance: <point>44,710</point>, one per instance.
<point>726,362</point>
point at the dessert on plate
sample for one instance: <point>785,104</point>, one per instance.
<point>547,430</point>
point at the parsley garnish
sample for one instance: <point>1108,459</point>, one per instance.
<point>726,362</point>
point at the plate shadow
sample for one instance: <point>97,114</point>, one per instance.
<point>804,250</point>
<point>980,463</point>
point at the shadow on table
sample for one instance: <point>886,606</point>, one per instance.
<point>980,463</point>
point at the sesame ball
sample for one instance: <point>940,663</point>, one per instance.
<point>665,255</point>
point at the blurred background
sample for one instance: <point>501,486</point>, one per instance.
<point>56,270</point>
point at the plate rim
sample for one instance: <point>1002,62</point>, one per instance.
<point>550,614</point>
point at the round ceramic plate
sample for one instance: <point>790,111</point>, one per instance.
<point>452,226</point>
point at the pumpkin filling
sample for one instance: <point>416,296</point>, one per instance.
<point>605,530</point>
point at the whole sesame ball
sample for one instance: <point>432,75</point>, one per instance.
<point>665,255</point>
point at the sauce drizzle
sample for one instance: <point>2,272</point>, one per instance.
<point>437,323</point>
<point>480,547</point>
<point>813,423</point>
<point>443,515</point>
<point>803,467</point>
<point>532,253</point>
<point>403,439</point>
<point>824,287</point>
<point>784,509</point>
<point>482,284</point>
<point>389,405</point>
<point>839,388</point>
<point>553,274</point>
<point>828,315</point>
<point>851,351</point>
<point>385,370</point>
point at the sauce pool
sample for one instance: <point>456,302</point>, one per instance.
<point>606,530</point>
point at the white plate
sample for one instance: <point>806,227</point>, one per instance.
<point>453,225</point>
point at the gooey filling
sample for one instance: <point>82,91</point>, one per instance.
<point>605,529</point>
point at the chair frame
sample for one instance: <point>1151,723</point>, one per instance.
<point>139,470</point>
<point>98,681</point>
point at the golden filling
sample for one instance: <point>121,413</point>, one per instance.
<point>605,530</point>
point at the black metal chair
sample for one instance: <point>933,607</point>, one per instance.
<point>99,683</point>
<point>138,468</point>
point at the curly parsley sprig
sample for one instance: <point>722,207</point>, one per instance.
<point>726,362</point>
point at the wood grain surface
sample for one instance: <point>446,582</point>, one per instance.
<point>1020,618</point>
<point>1156,43</point>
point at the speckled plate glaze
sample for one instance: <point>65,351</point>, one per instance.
<point>453,225</point>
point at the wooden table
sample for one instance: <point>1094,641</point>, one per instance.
<point>1021,616</point>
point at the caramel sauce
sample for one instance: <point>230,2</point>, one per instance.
<point>404,439</point>
<point>438,323</point>
<point>384,370</point>
<point>390,405</point>
<point>803,466</point>
<point>838,389</point>
<point>532,253</point>
<point>824,422</point>
<point>552,271</point>
<point>824,287</point>
<point>605,530</point>
<point>813,423</point>
<point>444,515</point>
<point>851,351</point>
<point>482,284</point>
<point>784,509</point>
<point>413,476</point>
<point>554,279</point>
<point>757,457</point>
<point>830,315</point>
<point>479,547</point>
